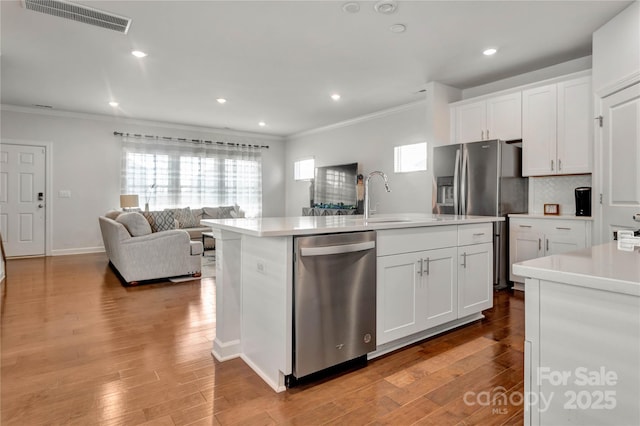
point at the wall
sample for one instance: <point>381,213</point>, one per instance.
<point>616,50</point>
<point>86,161</point>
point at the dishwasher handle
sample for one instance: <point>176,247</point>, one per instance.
<point>338,249</point>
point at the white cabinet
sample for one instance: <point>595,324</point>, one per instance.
<point>494,118</point>
<point>556,128</point>
<point>427,277</point>
<point>530,238</point>
<point>475,278</point>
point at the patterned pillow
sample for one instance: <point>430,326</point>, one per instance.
<point>185,218</point>
<point>135,223</point>
<point>224,212</point>
<point>160,220</point>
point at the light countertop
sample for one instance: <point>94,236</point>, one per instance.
<point>309,225</point>
<point>602,267</point>
<point>553,217</point>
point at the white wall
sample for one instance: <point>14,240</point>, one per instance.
<point>616,50</point>
<point>369,141</point>
<point>87,162</point>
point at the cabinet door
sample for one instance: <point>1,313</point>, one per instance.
<point>475,279</point>
<point>438,289</point>
<point>471,122</point>
<point>575,122</point>
<point>539,131</point>
<point>563,237</point>
<point>504,117</point>
<point>524,244</point>
<point>397,283</point>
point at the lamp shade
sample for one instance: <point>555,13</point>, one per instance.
<point>129,200</point>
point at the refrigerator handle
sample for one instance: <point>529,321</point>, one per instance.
<point>456,182</point>
<point>463,184</point>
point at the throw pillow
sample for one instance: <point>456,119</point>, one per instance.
<point>135,223</point>
<point>224,212</point>
<point>210,213</point>
<point>160,220</point>
<point>185,218</point>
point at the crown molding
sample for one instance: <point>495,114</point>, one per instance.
<point>133,121</point>
<point>360,119</point>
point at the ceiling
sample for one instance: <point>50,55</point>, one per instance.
<point>279,61</point>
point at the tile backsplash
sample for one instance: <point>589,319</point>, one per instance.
<point>555,190</point>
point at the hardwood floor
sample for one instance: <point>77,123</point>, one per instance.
<point>79,348</point>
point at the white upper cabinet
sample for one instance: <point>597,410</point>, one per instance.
<point>556,128</point>
<point>493,118</point>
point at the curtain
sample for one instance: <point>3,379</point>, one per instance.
<point>185,173</point>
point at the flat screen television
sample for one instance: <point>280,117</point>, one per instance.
<point>335,186</point>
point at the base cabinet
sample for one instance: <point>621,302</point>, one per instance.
<point>474,272</point>
<point>419,290</point>
<point>530,238</point>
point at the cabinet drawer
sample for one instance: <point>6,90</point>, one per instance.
<point>406,240</point>
<point>475,234</point>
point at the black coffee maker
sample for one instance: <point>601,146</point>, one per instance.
<point>583,201</point>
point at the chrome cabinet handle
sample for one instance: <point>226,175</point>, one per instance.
<point>551,165</point>
<point>488,134</point>
<point>566,229</point>
<point>481,135</point>
<point>525,226</point>
<point>464,259</point>
<point>559,164</point>
<point>547,244</point>
<point>427,262</point>
<point>539,244</point>
<point>478,234</point>
<point>421,266</point>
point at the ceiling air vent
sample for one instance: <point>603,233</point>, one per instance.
<point>79,13</point>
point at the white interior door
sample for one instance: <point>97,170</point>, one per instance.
<point>22,199</point>
<point>620,161</point>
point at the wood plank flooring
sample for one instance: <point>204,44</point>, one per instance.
<point>78,348</point>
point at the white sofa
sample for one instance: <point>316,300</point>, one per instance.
<point>139,254</point>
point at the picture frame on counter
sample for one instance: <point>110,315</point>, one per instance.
<point>552,209</point>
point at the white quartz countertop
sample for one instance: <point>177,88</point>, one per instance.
<point>553,217</point>
<point>602,267</point>
<point>310,225</point>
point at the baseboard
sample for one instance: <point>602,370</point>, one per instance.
<point>277,386</point>
<point>67,252</point>
<point>225,351</point>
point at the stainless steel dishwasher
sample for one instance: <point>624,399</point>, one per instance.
<point>334,292</point>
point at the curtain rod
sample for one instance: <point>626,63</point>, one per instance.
<point>198,141</point>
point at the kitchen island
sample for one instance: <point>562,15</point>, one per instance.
<point>434,273</point>
<point>582,337</point>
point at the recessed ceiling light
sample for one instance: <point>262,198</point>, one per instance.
<point>386,6</point>
<point>351,7</point>
<point>138,53</point>
<point>262,124</point>
<point>335,97</point>
<point>221,100</point>
<point>114,104</point>
<point>398,28</point>
<point>490,51</point>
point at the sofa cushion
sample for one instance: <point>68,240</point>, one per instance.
<point>135,223</point>
<point>112,214</point>
<point>210,212</point>
<point>160,220</point>
<point>185,218</point>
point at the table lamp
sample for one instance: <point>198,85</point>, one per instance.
<point>128,201</point>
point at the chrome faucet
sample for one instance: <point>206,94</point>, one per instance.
<point>367,207</point>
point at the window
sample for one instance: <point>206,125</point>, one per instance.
<point>181,174</point>
<point>410,158</point>
<point>304,169</point>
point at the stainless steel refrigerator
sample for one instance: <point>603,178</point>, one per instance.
<point>485,179</point>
